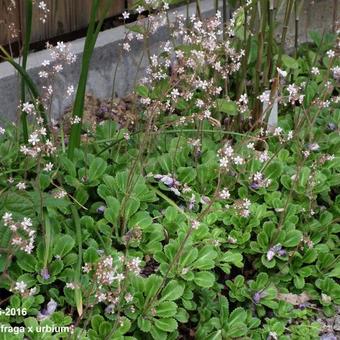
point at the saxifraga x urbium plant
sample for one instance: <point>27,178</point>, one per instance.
<point>211,212</point>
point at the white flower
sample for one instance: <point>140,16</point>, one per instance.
<point>330,54</point>
<point>70,90</point>
<point>238,160</point>
<point>20,286</point>
<point>290,135</point>
<point>70,285</point>
<point>128,297</point>
<point>45,63</point>
<point>126,47</point>
<point>58,68</point>
<point>21,186</point>
<point>224,162</point>
<point>195,224</point>
<point>336,72</point>
<point>42,5</point>
<point>7,218</point>
<point>224,194</point>
<point>263,156</point>
<point>27,107</point>
<point>2,131</point>
<point>43,74</point>
<point>48,167</point>
<point>251,146</point>
<point>277,131</point>
<point>265,97</point>
<point>75,120</point>
<point>26,223</point>
<point>126,15</point>
<point>315,71</point>
<point>34,138</point>
<point>140,9</point>
<point>61,46</point>
<point>174,94</point>
<point>206,114</point>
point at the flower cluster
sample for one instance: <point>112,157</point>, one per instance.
<point>44,10</point>
<point>258,181</point>
<point>170,182</point>
<point>227,157</point>
<point>49,310</point>
<point>22,288</point>
<point>23,235</point>
<point>184,70</point>
<point>242,207</point>
<point>108,272</point>
<point>60,55</point>
<point>275,250</point>
<point>38,143</point>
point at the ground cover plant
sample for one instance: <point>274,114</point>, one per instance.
<point>210,212</point>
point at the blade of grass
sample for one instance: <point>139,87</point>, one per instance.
<point>30,85</point>
<point>90,41</point>
<point>77,292</point>
<point>48,238</point>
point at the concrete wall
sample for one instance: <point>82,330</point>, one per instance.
<point>319,16</point>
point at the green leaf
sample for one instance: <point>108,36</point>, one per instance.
<point>27,263</point>
<point>261,281</point>
<point>310,255</point>
<point>204,279</point>
<point>132,205</point>
<point>166,324</point>
<point>274,170</point>
<point>68,165</point>
<point>237,329</point>
<point>56,267</point>
<point>206,256</point>
<point>152,284</point>
<point>96,321</point>
<point>144,324</point>
<point>335,272</point>
<point>226,106</point>
<point>233,257</point>
<point>97,168</point>
<point>299,281</point>
<point>91,255</point>
<point>172,291</point>
<point>293,238</point>
<point>105,329</point>
<point>290,62</point>
<point>166,309</point>
<point>81,195</point>
<point>186,174</point>
<point>182,315</point>
<point>63,245</point>
<point>157,334</point>
<point>142,91</point>
<point>111,213</point>
<point>237,315</point>
<point>304,175</point>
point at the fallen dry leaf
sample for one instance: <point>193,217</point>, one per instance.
<point>294,299</point>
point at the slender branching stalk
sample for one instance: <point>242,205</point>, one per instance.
<point>26,45</point>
